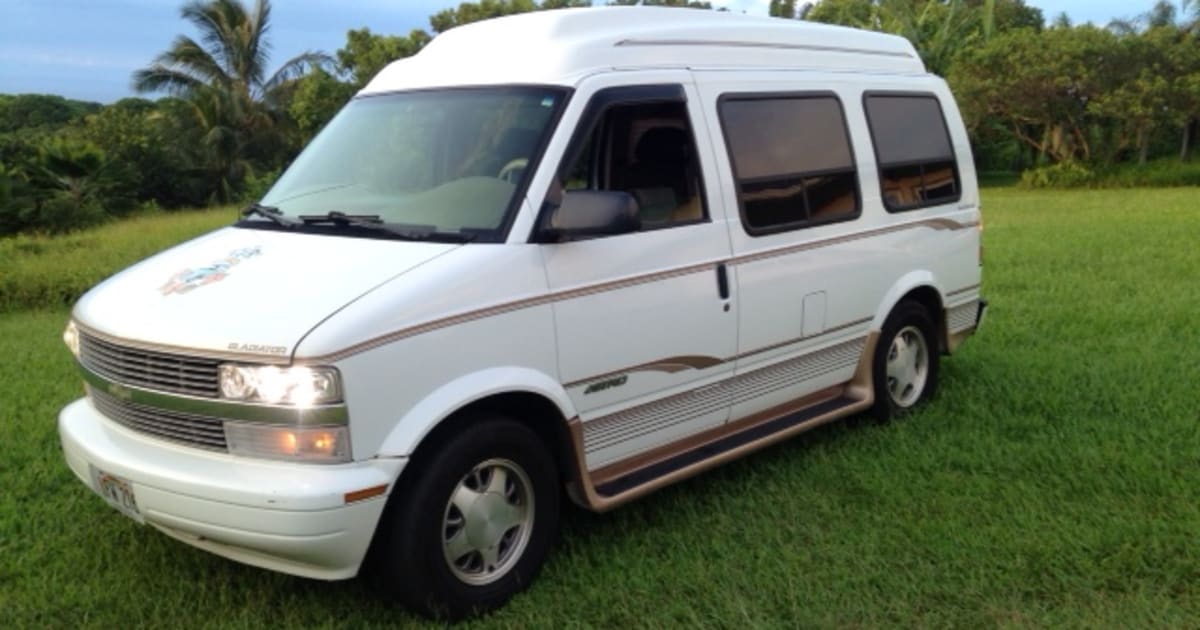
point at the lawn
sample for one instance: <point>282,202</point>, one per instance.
<point>1055,481</point>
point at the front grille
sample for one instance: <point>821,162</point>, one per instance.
<point>192,430</point>
<point>156,371</point>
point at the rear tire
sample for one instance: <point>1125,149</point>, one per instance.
<point>905,365</point>
<point>475,521</point>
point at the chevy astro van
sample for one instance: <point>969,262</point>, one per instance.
<point>622,247</point>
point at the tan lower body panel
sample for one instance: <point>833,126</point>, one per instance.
<point>623,481</point>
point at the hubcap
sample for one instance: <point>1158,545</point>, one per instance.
<point>488,521</point>
<point>907,366</point>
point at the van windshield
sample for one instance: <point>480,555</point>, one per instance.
<point>431,162</point>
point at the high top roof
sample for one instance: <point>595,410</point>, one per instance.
<point>560,46</point>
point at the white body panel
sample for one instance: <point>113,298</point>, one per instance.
<point>223,303</point>
<point>419,330</point>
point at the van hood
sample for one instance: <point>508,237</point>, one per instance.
<point>246,292</point>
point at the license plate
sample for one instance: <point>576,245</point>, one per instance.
<point>117,491</point>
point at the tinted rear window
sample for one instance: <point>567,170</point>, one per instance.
<point>912,147</point>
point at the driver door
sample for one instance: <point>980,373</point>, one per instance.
<point>645,328</point>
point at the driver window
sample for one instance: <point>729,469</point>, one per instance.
<point>648,151</point>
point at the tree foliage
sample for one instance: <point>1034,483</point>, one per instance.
<point>939,29</point>
<point>1033,95</point>
<point>1076,100</point>
<point>36,111</point>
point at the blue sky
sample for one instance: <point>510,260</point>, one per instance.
<point>87,49</point>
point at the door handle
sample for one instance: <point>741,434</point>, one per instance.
<point>722,281</point>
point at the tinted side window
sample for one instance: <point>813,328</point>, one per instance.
<point>912,147</point>
<point>646,150</point>
<point>792,160</point>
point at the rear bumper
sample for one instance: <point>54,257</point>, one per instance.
<point>292,518</point>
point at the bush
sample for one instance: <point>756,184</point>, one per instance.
<point>1061,175</point>
<point>1163,173</point>
<point>1158,173</point>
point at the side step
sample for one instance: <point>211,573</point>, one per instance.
<point>726,444</point>
<point>612,485</point>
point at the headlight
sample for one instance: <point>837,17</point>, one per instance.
<point>71,338</point>
<point>302,386</point>
<point>324,445</point>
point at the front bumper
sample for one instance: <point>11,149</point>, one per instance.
<point>292,518</point>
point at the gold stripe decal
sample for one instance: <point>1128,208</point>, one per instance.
<point>603,287</point>
<point>670,365</point>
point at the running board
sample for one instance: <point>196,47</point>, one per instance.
<point>612,485</point>
<point>713,449</point>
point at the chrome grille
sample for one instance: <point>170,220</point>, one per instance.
<point>192,430</point>
<point>156,371</point>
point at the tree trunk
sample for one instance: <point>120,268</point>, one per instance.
<point>1189,137</point>
<point>1143,147</point>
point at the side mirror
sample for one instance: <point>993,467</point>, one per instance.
<point>589,213</point>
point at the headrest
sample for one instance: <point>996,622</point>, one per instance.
<point>663,145</point>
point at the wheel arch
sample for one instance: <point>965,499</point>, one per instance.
<point>527,396</point>
<point>922,287</point>
<point>499,388</point>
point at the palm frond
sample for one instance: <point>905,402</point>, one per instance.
<point>297,66</point>
<point>161,78</point>
<point>189,55</point>
<point>210,20</point>
<point>258,47</point>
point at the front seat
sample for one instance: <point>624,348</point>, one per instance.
<point>660,176</point>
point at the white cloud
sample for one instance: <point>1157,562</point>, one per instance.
<point>71,58</point>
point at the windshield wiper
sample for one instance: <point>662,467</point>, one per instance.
<point>268,212</point>
<point>374,222</point>
<point>337,217</point>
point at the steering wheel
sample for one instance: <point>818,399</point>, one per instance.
<point>512,171</point>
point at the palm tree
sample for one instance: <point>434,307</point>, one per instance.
<point>224,76</point>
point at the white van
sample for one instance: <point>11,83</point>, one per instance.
<point>597,249</point>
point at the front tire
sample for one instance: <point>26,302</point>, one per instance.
<point>905,365</point>
<point>474,523</point>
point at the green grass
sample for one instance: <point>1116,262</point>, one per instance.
<point>52,271</point>
<point>1055,481</point>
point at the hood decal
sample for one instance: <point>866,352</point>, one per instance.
<point>193,278</point>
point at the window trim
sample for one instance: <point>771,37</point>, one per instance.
<point>737,180</point>
<point>879,166</point>
<point>598,106</point>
